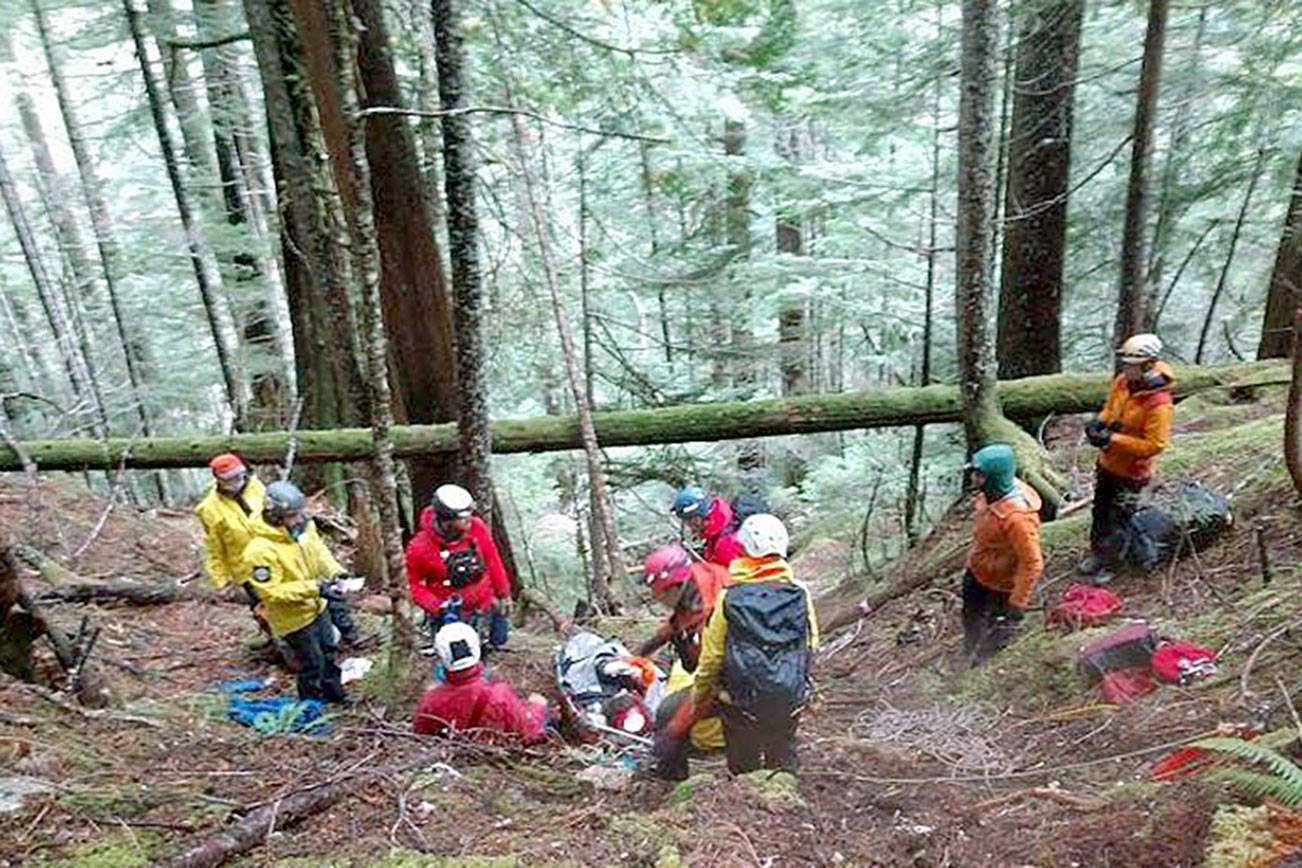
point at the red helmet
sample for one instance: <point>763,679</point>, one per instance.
<point>667,567</point>
<point>227,465</point>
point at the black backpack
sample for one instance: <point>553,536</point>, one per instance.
<point>766,655</point>
<point>464,567</point>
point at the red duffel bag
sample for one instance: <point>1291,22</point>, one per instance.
<point>1180,662</point>
<point>1084,606</point>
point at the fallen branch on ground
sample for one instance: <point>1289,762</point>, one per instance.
<point>128,592</point>
<point>1053,794</point>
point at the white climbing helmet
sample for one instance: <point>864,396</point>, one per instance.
<point>1138,349</point>
<point>763,534</point>
<point>458,646</point>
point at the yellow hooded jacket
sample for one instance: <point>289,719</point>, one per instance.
<point>744,571</point>
<point>285,574</point>
<point>227,529</point>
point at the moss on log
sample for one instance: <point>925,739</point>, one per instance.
<point>806,414</point>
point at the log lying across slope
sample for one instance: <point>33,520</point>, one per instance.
<point>731,420</point>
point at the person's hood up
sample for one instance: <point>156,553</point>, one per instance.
<point>998,464</point>
<point>717,518</point>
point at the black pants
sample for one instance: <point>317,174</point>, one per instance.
<point>1115,500</point>
<point>986,629</point>
<point>318,674</point>
<point>754,744</point>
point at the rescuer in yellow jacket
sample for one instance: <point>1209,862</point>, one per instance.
<point>756,653</point>
<point>227,513</point>
<point>289,568</point>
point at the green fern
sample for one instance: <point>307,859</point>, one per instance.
<point>1283,779</point>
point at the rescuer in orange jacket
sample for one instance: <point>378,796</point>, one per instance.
<point>1004,559</point>
<point>1130,431</point>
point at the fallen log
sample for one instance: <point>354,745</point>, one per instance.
<point>254,829</point>
<point>129,592</point>
<point>726,420</point>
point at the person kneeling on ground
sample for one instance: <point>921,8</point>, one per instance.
<point>689,588</point>
<point>1130,431</point>
<point>453,556</point>
<point>291,571</point>
<point>467,703</point>
<point>756,654</point>
<point>1004,559</point>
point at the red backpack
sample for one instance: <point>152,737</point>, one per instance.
<point>1180,662</point>
<point>1084,606</point>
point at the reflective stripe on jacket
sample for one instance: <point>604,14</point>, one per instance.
<point>1005,552</point>
<point>227,529</point>
<point>744,571</point>
<point>286,573</point>
<point>1141,426</point>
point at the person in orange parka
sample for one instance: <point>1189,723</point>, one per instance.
<point>1004,560</point>
<point>689,588</point>
<point>1132,429</point>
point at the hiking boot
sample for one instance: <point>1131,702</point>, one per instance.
<point>1089,565</point>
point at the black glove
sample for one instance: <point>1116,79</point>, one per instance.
<point>329,590</point>
<point>1098,434</point>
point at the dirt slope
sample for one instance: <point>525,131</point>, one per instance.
<point>910,757</point>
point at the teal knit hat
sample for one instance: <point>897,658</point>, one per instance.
<point>998,465</point>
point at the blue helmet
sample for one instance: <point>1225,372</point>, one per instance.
<point>690,501</point>
<point>283,500</point>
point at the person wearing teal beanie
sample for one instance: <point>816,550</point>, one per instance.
<point>1004,559</point>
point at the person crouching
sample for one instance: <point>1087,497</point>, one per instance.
<point>468,703</point>
<point>288,565</point>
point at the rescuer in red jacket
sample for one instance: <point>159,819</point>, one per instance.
<point>711,520</point>
<point>453,555</point>
<point>485,711</point>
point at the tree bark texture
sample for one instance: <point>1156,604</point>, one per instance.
<point>1282,297</point>
<point>805,414</point>
<point>416,306</point>
<point>1293,413</point>
<point>202,260</point>
<point>737,234</point>
<point>326,352</point>
<point>459,166</point>
<point>793,326</point>
<point>974,232</point>
<point>365,251</point>
<point>1039,158</point>
<point>1133,297</point>
<point>181,91</point>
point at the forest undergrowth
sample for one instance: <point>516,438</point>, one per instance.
<point>910,757</point>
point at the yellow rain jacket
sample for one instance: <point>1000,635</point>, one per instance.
<point>227,529</point>
<point>285,574</point>
<point>744,571</point>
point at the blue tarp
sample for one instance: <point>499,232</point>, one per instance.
<point>273,715</point>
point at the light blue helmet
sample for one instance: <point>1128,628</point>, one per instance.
<point>283,500</point>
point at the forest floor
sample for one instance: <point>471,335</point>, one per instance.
<point>909,757</point>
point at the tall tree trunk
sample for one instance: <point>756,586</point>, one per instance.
<point>364,247</point>
<point>181,91</point>
<point>793,327</point>
<point>417,314</point>
<point>737,235</point>
<point>330,383</point>
<point>1035,226</point>
<point>1282,296</point>
<point>79,375</point>
<point>463,251</point>
<point>1293,411</point>
<point>914,492</point>
<point>1133,298</point>
<point>201,258</point>
<point>983,420</point>
<point>1229,255</point>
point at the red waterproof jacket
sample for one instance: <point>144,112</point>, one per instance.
<point>487,711</point>
<point>720,538</point>
<point>427,574</point>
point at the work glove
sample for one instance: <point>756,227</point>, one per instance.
<point>1098,434</point>
<point>330,590</point>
